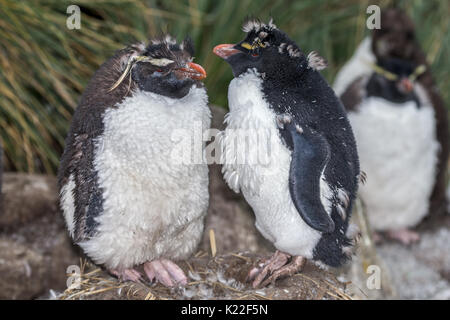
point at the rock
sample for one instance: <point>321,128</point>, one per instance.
<point>412,278</point>
<point>22,270</point>
<point>26,197</point>
<point>357,276</point>
<point>433,249</point>
<point>35,249</point>
<point>222,277</point>
<point>419,271</point>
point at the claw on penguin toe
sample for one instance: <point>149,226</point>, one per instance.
<point>343,197</point>
<point>362,177</point>
<point>341,211</point>
<point>282,120</point>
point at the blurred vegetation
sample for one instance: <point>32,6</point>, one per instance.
<point>44,66</point>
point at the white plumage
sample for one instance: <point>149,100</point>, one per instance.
<point>153,205</point>
<point>357,66</point>
<point>398,151</point>
<point>67,203</point>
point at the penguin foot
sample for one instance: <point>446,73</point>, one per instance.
<point>405,236</point>
<point>259,273</point>
<point>166,272</point>
<point>273,268</point>
<point>288,270</point>
<point>127,275</point>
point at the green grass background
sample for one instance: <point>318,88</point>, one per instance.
<point>44,66</point>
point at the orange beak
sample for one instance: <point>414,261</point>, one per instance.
<point>194,71</point>
<point>406,85</point>
<point>225,50</point>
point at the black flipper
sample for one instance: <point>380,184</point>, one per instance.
<point>310,154</point>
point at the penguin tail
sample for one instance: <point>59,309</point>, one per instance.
<point>335,251</point>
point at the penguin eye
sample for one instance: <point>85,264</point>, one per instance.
<point>255,54</point>
<point>409,35</point>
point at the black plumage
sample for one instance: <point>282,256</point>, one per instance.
<point>292,87</point>
<point>87,125</point>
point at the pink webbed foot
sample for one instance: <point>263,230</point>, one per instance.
<point>127,275</point>
<point>166,272</point>
<point>405,236</point>
<point>275,267</point>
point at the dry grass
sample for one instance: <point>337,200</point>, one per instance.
<point>210,278</point>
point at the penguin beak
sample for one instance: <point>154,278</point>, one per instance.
<point>194,71</point>
<point>225,50</point>
<point>406,85</point>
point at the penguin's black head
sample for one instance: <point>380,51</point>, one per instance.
<point>265,48</point>
<point>166,68</point>
<point>396,37</point>
<point>394,79</point>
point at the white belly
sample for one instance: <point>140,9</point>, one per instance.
<point>398,151</point>
<point>357,66</point>
<point>262,174</point>
<point>153,204</point>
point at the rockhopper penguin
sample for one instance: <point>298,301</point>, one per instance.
<point>124,199</point>
<point>401,127</point>
<point>302,196</point>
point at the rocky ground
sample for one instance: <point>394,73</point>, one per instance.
<point>35,253</point>
<point>418,271</point>
<point>34,247</point>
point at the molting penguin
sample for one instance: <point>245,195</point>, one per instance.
<point>401,127</point>
<point>126,202</point>
<point>302,194</point>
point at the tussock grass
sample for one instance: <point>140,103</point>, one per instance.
<point>44,66</point>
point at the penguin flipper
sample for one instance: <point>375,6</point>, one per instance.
<point>310,154</point>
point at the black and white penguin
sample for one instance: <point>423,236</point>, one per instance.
<point>401,128</point>
<point>302,192</point>
<point>126,202</point>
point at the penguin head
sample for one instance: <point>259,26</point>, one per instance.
<point>166,68</point>
<point>396,37</point>
<point>394,78</point>
<point>265,48</point>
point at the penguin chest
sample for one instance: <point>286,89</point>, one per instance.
<point>152,198</point>
<point>256,162</point>
<point>398,151</point>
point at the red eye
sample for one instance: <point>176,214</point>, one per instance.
<point>158,70</point>
<point>255,54</point>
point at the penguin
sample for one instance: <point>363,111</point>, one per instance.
<point>127,201</point>
<point>406,184</point>
<point>302,191</point>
